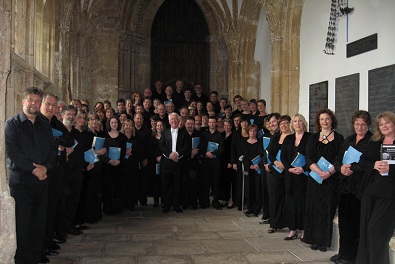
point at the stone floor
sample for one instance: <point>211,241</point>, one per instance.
<point>201,236</point>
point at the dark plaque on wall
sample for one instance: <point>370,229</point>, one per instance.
<point>381,93</point>
<point>318,99</point>
<point>362,45</point>
<point>346,102</point>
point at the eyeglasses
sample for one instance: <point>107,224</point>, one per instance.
<point>284,123</point>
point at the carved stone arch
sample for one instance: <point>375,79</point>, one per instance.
<point>135,48</point>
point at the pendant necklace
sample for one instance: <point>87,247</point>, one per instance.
<point>325,137</point>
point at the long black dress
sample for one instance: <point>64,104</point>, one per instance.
<point>377,209</point>
<point>295,185</point>
<point>321,199</point>
<point>130,186</point>
<point>250,151</point>
<point>276,186</point>
<point>349,206</point>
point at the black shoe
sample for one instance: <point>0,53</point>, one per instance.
<point>74,231</point>
<point>165,210</point>
<point>51,253</point>
<point>322,249</point>
<point>335,257</point>
<point>59,239</point>
<point>54,246</point>
<point>291,237</point>
<point>156,204</point>
<point>194,207</point>
<point>44,259</point>
<point>314,247</point>
<point>178,210</point>
<point>82,227</point>
<point>250,214</point>
<point>344,261</point>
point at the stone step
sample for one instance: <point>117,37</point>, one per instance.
<point>335,241</point>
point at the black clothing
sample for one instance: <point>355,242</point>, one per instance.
<point>170,170</point>
<point>165,120</point>
<point>191,178</point>
<point>377,209</point>
<point>203,98</point>
<point>276,186</point>
<point>349,203</point>
<point>228,186</point>
<point>321,199</point>
<point>113,176</point>
<point>235,154</point>
<point>161,96</point>
<point>142,151</point>
<point>250,151</point>
<point>130,186</point>
<point>212,167</point>
<point>295,185</point>
<point>27,143</point>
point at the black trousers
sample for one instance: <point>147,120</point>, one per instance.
<point>212,174</point>
<point>254,201</point>
<point>55,181</point>
<point>265,194</point>
<point>93,208</point>
<point>190,182</point>
<point>31,196</point>
<point>349,208</point>
<point>276,191</point>
<point>171,184</point>
<point>72,187</point>
<point>377,227</point>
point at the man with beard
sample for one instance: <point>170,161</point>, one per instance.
<point>31,153</point>
<point>73,171</point>
<point>48,110</point>
<point>142,150</point>
<point>191,176</point>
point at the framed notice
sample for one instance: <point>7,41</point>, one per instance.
<point>318,99</point>
<point>381,93</point>
<point>346,102</point>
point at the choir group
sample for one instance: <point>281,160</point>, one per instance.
<point>110,160</point>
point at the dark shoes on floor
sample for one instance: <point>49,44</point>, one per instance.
<point>250,214</point>
<point>74,231</point>
<point>271,230</point>
<point>287,238</point>
<point>338,259</point>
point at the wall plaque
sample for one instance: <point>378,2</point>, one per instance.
<point>381,93</point>
<point>346,102</point>
<point>362,45</point>
<point>318,99</point>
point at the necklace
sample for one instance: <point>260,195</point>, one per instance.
<point>325,137</point>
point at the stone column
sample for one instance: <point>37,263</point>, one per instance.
<point>7,203</point>
<point>62,64</point>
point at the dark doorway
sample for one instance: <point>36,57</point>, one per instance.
<point>180,44</point>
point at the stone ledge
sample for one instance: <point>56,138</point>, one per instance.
<point>7,229</point>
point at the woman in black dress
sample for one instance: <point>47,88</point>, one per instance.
<point>378,200</point>
<point>228,176</point>
<point>130,168</point>
<point>93,210</point>
<point>275,179</point>
<point>156,157</point>
<point>237,139</point>
<point>349,201</point>
<point>251,149</point>
<point>295,179</point>
<point>321,199</point>
<point>112,169</point>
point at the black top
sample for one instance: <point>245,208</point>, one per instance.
<point>372,181</point>
<point>273,148</point>
<point>194,134</point>
<point>142,147</point>
<point>349,184</point>
<point>76,158</point>
<point>118,142</point>
<point>237,140</point>
<point>227,148</point>
<point>212,137</point>
<point>289,151</point>
<point>27,143</point>
<point>250,151</point>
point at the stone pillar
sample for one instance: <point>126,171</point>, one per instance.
<point>7,203</point>
<point>62,64</point>
<point>284,17</point>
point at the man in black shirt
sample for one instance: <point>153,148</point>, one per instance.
<point>211,163</point>
<point>31,153</point>
<point>48,109</point>
<point>191,172</point>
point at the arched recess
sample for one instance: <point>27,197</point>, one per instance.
<point>179,43</point>
<point>135,48</point>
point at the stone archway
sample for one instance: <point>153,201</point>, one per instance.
<point>135,45</point>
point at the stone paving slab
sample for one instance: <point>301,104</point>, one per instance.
<point>234,258</point>
<point>193,237</point>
